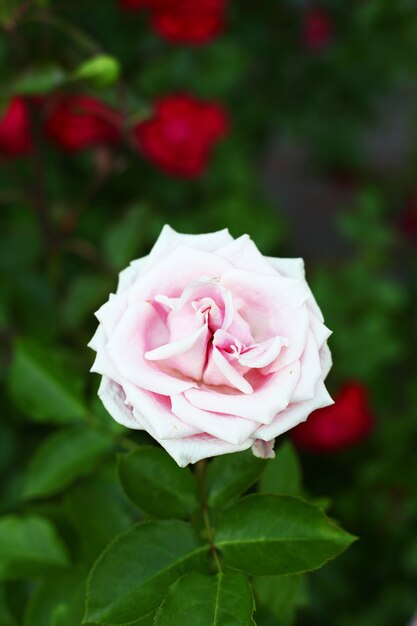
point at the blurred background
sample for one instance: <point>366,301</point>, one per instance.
<point>293,121</point>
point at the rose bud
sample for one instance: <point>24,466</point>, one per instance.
<point>211,347</point>
<point>318,29</point>
<point>15,137</point>
<point>77,122</point>
<point>183,21</point>
<point>408,220</point>
<point>180,135</point>
<point>188,21</point>
<point>339,426</point>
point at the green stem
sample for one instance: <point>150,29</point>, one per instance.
<point>77,35</point>
<point>201,473</point>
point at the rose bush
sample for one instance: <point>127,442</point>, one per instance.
<point>211,347</point>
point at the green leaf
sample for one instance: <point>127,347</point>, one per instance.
<point>130,578</point>
<point>267,535</point>
<point>201,600</point>
<point>124,240</point>
<point>44,386</point>
<point>283,473</point>
<point>58,600</point>
<point>40,80</point>
<point>156,484</point>
<point>102,70</point>
<point>230,475</point>
<point>62,458</point>
<point>86,293</point>
<point>6,616</point>
<point>29,547</point>
<point>282,595</point>
<point>96,531</point>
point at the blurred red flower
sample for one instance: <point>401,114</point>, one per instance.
<point>339,426</point>
<point>180,135</point>
<point>318,29</point>
<point>184,21</point>
<point>408,220</point>
<point>77,122</point>
<point>15,137</point>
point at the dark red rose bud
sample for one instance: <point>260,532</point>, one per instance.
<point>339,426</point>
<point>79,122</point>
<point>183,21</point>
<point>15,137</point>
<point>318,29</point>
<point>408,220</point>
<point>180,135</point>
<point>190,21</point>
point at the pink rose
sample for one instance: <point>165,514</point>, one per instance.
<point>211,347</point>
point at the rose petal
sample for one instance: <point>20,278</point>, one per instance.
<point>154,410</point>
<point>261,406</point>
<point>175,272</point>
<point>114,399</point>
<point>169,239</point>
<point>294,414</point>
<point>193,449</point>
<point>227,427</point>
<point>311,371</point>
<point>290,268</point>
<point>263,449</point>
<point>244,255</point>
<point>187,355</point>
<point>140,329</point>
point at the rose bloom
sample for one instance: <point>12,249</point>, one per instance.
<point>180,135</point>
<point>318,29</point>
<point>347,422</point>
<point>211,347</point>
<point>184,21</point>
<point>77,122</point>
<point>15,137</point>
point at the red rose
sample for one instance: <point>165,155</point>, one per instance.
<point>318,29</point>
<point>78,122</point>
<point>184,21</point>
<point>408,220</point>
<point>15,138</point>
<point>189,21</point>
<point>338,426</point>
<point>180,135</point>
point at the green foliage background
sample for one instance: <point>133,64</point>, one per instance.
<point>70,223</point>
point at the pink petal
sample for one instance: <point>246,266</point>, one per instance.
<point>169,239</point>
<point>174,272</point>
<point>187,355</point>
<point>290,268</point>
<point>244,254</point>
<point>154,411</point>
<point>140,330</point>
<point>114,399</point>
<point>227,427</point>
<point>271,397</point>
<point>263,449</point>
<point>294,414</point>
<point>193,449</point>
<point>311,371</point>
